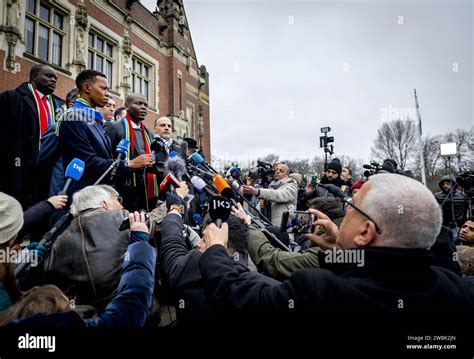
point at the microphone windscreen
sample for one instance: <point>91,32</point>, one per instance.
<point>173,154</point>
<point>176,165</point>
<point>235,173</point>
<point>122,146</point>
<point>196,159</point>
<point>75,169</point>
<point>198,183</point>
<point>367,167</point>
<point>219,208</point>
<point>227,193</point>
<point>219,182</point>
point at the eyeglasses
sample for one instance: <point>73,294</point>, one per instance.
<point>120,200</point>
<point>348,202</point>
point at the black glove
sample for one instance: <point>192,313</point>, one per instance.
<point>171,199</point>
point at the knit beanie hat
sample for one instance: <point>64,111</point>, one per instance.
<point>297,177</point>
<point>388,166</point>
<point>11,217</point>
<point>335,165</point>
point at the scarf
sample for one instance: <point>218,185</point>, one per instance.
<point>151,182</point>
<point>46,114</point>
<point>276,184</point>
<point>82,105</point>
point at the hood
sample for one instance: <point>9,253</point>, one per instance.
<point>446,178</point>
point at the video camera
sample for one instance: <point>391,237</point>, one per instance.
<point>263,171</point>
<point>372,169</point>
<point>466,181</point>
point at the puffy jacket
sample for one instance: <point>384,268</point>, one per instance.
<point>456,202</point>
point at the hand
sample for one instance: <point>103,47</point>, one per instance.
<point>215,235</point>
<point>249,189</point>
<point>261,203</point>
<point>58,202</point>
<point>171,199</point>
<point>182,190</point>
<point>239,212</point>
<point>327,240</point>
<point>137,222</point>
<point>141,161</point>
<point>39,251</point>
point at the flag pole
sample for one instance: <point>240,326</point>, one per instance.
<point>420,142</point>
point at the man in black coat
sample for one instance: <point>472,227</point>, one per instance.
<point>82,136</point>
<point>132,185</point>
<point>453,202</point>
<point>180,265</point>
<point>26,113</point>
<point>378,261</point>
<point>164,143</point>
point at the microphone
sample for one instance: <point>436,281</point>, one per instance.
<point>235,173</point>
<point>74,171</point>
<point>369,167</point>
<point>169,183</point>
<point>184,150</point>
<point>197,160</point>
<point>157,146</point>
<point>198,219</point>
<point>199,185</point>
<point>122,148</point>
<point>176,165</point>
<point>219,210</point>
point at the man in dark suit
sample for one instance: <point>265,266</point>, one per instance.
<point>139,191</point>
<point>26,113</point>
<point>82,136</point>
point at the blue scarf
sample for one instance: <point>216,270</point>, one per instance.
<point>84,106</point>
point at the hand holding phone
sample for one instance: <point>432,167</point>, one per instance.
<point>297,222</point>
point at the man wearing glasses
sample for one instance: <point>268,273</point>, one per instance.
<point>394,220</point>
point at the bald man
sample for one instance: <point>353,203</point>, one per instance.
<point>138,191</point>
<point>282,193</point>
<point>163,129</point>
<point>27,111</point>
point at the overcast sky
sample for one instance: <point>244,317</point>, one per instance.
<point>281,70</point>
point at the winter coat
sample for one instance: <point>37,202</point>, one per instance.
<point>283,198</point>
<point>456,202</point>
<point>395,280</point>
<point>130,305</point>
<point>19,144</point>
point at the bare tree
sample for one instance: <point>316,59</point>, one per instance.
<point>396,140</point>
<point>299,166</point>
<point>271,158</point>
<point>464,142</point>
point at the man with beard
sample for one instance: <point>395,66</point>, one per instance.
<point>27,112</point>
<point>332,175</point>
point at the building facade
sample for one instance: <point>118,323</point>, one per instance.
<point>139,51</point>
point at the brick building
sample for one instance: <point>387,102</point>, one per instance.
<point>139,51</point>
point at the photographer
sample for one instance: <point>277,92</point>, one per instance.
<point>452,202</point>
<point>282,193</point>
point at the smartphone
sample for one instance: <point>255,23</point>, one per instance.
<point>126,222</point>
<point>298,222</point>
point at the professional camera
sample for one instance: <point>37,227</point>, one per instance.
<point>262,171</point>
<point>371,169</point>
<point>466,181</point>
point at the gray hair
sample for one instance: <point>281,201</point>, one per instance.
<point>405,210</point>
<point>91,197</point>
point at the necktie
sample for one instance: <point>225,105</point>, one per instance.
<point>46,108</point>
